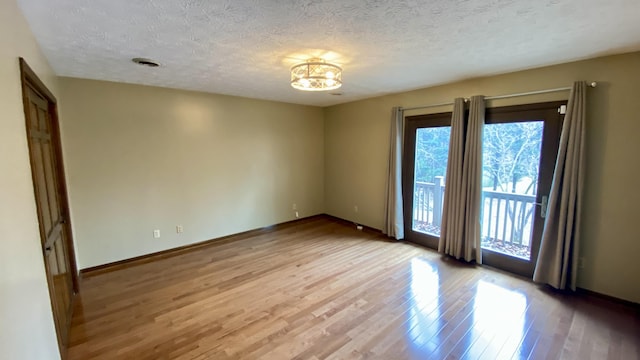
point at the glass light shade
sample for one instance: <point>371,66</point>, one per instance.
<point>316,75</point>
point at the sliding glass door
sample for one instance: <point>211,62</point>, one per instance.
<point>426,153</point>
<point>519,151</point>
<point>520,145</point>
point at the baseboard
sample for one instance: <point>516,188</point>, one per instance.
<point>355,225</point>
<point>121,264</point>
<point>608,298</point>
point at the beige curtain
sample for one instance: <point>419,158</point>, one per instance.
<point>460,229</point>
<point>394,222</point>
<point>558,257</point>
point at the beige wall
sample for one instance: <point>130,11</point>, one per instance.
<point>26,321</point>
<point>357,140</point>
<point>141,158</point>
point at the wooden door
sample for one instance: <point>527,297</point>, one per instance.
<point>50,195</point>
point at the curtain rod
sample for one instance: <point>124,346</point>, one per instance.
<point>567,88</point>
<point>428,106</point>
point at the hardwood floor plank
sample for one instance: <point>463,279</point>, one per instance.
<point>319,289</point>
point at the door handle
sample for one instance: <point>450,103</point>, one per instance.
<point>543,206</point>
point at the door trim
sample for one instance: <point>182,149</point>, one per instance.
<point>29,79</point>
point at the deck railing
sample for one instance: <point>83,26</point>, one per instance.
<point>506,217</point>
<point>427,203</point>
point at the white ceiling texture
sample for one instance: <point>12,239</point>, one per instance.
<point>246,47</point>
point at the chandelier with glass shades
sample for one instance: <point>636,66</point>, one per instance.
<point>316,75</point>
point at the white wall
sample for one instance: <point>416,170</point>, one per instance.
<point>26,321</point>
<point>140,158</point>
<point>357,141</point>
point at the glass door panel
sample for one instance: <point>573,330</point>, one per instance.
<point>425,166</point>
<point>430,168</point>
<point>510,169</point>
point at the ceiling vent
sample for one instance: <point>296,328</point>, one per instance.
<point>145,62</point>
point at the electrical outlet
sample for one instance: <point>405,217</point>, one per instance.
<point>355,208</point>
<point>294,206</point>
<point>179,229</point>
<point>297,215</point>
<point>156,234</point>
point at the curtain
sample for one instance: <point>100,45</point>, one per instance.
<point>460,229</point>
<point>394,222</point>
<point>558,257</point>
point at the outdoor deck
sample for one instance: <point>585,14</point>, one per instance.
<point>507,218</point>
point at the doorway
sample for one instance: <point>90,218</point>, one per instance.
<point>520,145</point>
<point>43,136</point>
<point>519,150</point>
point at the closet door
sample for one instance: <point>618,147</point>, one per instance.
<point>51,202</point>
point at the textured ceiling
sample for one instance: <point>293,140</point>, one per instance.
<point>246,47</point>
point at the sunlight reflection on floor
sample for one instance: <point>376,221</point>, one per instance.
<point>424,316</point>
<point>498,319</point>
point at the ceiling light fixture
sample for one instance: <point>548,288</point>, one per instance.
<point>316,75</point>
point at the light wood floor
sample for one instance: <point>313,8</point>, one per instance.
<point>319,289</point>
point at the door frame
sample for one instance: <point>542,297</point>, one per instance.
<point>548,151</point>
<point>29,79</point>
